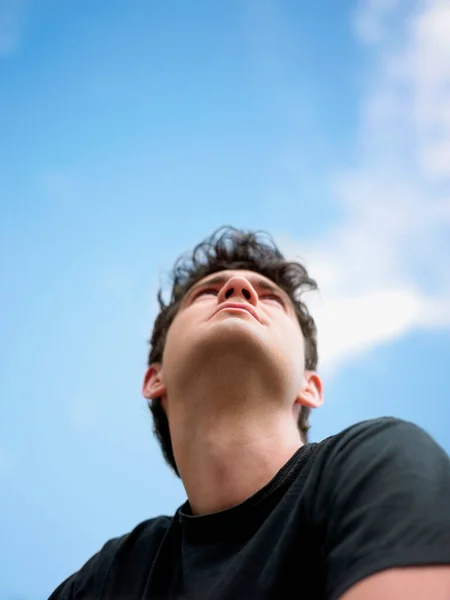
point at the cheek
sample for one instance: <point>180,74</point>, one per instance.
<point>295,348</point>
<point>173,335</point>
<point>178,339</point>
<point>291,358</point>
<point>169,344</point>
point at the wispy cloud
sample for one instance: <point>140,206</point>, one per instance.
<point>383,270</point>
<point>11,22</point>
<point>371,19</point>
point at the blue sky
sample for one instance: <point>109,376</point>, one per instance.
<point>131,130</point>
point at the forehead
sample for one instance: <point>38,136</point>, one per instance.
<point>256,279</point>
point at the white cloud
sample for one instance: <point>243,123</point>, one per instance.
<point>383,270</point>
<point>370,19</point>
<point>11,20</point>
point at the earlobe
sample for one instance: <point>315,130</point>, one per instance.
<point>153,386</point>
<point>311,394</point>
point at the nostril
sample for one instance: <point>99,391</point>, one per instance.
<point>245,293</point>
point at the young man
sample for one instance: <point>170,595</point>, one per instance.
<point>362,515</point>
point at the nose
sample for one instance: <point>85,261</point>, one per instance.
<point>239,288</point>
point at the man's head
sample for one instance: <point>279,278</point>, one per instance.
<point>275,334</point>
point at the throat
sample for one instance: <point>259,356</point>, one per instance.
<point>224,466</point>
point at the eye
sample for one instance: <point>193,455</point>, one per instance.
<point>205,291</point>
<point>274,297</point>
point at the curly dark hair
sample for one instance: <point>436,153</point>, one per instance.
<point>231,248</point>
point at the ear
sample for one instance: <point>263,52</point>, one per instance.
<point>311,393</point>
<point>153,385</point>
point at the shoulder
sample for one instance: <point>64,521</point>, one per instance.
<point>386,457</point>
<point>382,501</point>
<point>367,448</point>
<point>382,434</point>
<point>143,537</point>
<point>91,578</point>
<point>385,424</point>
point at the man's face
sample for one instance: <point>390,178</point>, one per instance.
<point>239,315</point>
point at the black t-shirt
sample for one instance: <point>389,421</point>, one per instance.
<point>374,496</point>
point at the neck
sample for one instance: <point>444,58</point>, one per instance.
<point>231,455</point>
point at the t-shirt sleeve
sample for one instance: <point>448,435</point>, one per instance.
<point>386,503</point>
<point>64,591</point>
<point>88,582</point>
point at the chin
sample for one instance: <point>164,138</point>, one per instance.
<point>234,331</point>
<point>232,342</point>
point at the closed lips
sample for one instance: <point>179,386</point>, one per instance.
<point>240,305</point>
